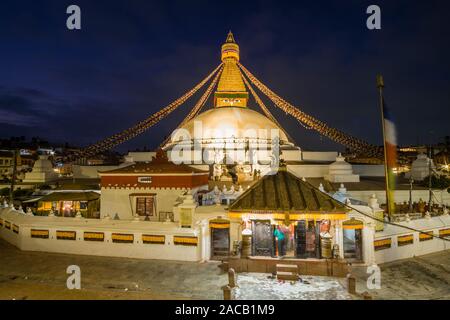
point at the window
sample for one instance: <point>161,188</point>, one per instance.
<point>145,206</point>
<point>145,179</point>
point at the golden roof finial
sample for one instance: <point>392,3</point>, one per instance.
<point>231,90</point>
<point>230,38</point>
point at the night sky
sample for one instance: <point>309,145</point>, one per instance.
<point>131,58</point>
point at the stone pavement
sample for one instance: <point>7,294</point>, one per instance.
<point>105,277</point>
<point>39,275</point>
<point>424,277</point>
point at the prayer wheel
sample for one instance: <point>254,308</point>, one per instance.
<point>246,245</point>
<point>325,243</point>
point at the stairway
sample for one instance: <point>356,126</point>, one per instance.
<point>287,272</point>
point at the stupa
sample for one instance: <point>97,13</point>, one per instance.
<point>42,171</point>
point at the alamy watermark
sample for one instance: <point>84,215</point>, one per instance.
<point>374,20</point>
<point>226,145</point>
<point>74,280</point>
<point>73,22</point>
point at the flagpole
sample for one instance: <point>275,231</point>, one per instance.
<point>380,86</point>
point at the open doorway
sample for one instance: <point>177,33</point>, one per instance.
<point>220,239</point>
<point>307,236</point>
<point>352,232</point>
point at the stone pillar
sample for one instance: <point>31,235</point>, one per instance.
<point>339,235</point>
<point>228,293</point>
<point>351,284</point>
<point>368,239</point>
<point>202,226</point>
<point>246,249</point>
<point>232,278</point>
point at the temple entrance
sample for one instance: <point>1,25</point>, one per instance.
<point>307,239</point>
<point>263,241</point>
<point>352,232</point>
<point>220,239</point>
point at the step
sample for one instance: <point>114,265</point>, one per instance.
<point>287,267</point>
<point>281,275</point>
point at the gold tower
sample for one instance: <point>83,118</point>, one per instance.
<point>231,90</point>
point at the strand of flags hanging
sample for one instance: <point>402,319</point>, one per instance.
<point>390,148</point>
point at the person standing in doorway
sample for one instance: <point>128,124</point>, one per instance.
<point>279,236</point>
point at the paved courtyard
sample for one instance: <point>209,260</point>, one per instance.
<point>424,277</point>
<point>38,275</point>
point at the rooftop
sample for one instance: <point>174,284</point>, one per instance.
<point>284,192</point>
<point>159,165</point>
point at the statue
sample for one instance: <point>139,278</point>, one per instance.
<point>29,212</point>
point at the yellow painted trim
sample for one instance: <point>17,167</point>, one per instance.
<point>122,237</point>
<point>444,232</point>
<point>406,239</point>
<point>96,236</point>
<point>184,240</point>
<point>37,233</point>
<point>155,239</point>
<point>426,235</point>
<point>352,227</point>
<point>382,243</point>
<point>219,225</point>
<point>66,235</point>
<point>294,216</point>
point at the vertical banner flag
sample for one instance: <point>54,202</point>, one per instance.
<point>390,154</point>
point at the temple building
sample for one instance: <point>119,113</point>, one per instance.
<point>231,184</point>
<point>148,190</point>
<point>302,213</point>
<point>235,139</point>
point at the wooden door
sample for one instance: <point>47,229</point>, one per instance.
<point>220,243</point>
<point>300,239</point>
<point>262,242</point>
<point>358,244</point>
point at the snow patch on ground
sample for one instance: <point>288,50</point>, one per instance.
<point>261,286</point>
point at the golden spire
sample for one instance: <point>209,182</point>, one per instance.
<point>230,38</point>
<point>231,89</point>
<point>230,49</point>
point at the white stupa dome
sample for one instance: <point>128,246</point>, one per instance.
<point>230,122</point>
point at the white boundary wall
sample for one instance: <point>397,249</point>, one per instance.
<point>137,249</point>
<point>417,248</point>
